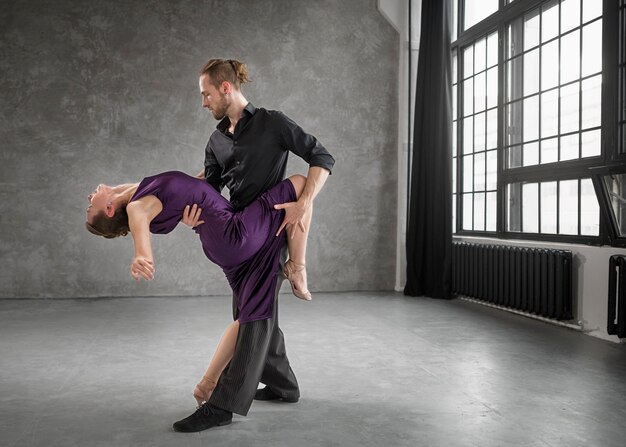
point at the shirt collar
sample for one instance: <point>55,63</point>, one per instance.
<point>248,110</point>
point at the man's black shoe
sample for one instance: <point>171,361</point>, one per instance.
<point>267,394</point>
<point>205,417</point>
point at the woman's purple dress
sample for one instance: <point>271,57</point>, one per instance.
<point>242,243</point>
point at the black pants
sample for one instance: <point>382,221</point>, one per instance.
<point>260,356</point>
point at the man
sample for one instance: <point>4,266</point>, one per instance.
<point>248,154</point>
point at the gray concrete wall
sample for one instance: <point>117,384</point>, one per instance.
<point>107,92</point>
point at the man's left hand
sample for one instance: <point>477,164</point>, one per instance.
<point>294,212</point>
<point>191,216</point>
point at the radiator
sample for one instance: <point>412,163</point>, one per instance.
<point>533,280</point>
<point>616,324</point>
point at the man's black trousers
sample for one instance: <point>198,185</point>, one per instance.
<point>260,356</point>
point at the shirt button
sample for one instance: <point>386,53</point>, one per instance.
<point>238,163</point>
<point>235,142</point>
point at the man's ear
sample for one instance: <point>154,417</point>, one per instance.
<point>110,211</point>
<point>226,87</point>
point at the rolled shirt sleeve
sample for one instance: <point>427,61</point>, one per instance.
<point>304,145</point>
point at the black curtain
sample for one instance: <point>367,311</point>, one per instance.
<point>429,232</point>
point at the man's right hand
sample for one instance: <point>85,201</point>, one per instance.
<point>191,216</point>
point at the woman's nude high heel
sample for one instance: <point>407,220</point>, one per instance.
<point>291,268</point>
<point>203,390</point>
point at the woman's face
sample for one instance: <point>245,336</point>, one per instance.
<point>98,201</point>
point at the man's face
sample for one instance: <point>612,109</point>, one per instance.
<point>213,99</point>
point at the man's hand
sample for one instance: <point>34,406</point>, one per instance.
<point>142,267</point>
<point>294,212</point>
<point>191,216</point>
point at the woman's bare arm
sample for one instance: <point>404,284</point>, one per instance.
<point>140,214</point>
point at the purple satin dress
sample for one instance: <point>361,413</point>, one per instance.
<point>242,243</point>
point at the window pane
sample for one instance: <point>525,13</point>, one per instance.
<point>569,108</point>
<point>514,39</point>
<point>549,150</point>
<point>548,207</point>
<point>454,92</point>
<point>531,118</point>
<point>549,20</point>
<point>468,135</point>
<point>492,129</point>
<point>514,79</point>
<point>479,92</point>
<point>454,138</point>
<point>530,216</point>
<point>492,170</point>
<point>569,147</point>
<point>454,175</point>
<point>513,123</point>
<point>468,173</point>
<point>492,87</point>
<point>570,57</point>
<point>616,187</point>
<point>549,113</point>
<point>531,30</point>
<point>531,154</point>
<point>453,213</point>
<point>531,72</point>
<point>476,10</point>
<point>467,211</point>
<point>492,49</point>
<point>454,67</point>
<point>479,172</point>
<point>570,14</point>
<point>514,158</point>
<point>591,107</point>
<point>455,22</point>
<point>591,9</point>
<point>468,97</point>
<point>479,132</point>
<point>479,211</point>
<point>480,55</point>
<point>592,48</point>
<point>468,61</point>
<point>492,208</point>
<point>513,207</point>
<point>568,207</point>
<point>589,209</point>
<point>550,65</point>
<point>590,144</point>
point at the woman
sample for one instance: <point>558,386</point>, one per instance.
<point>242,243</point>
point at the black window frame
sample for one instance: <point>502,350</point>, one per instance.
<point>562,170</point>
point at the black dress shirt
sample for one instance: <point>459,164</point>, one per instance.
<point>254,158</point>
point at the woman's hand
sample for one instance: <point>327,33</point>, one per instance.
<point>142,267</point>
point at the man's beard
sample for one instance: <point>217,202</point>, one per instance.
<point>220,112</point>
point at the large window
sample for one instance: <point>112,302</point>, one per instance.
<point>479,120</point>
<point>528,116</point>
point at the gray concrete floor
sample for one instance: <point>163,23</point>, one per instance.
<point>375,369</point>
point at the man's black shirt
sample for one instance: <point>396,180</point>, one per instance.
<point>254,158</point>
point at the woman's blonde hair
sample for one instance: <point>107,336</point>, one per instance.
<point>230,70</point>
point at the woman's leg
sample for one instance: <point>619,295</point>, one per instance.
<point>297,246</point>
<point>223,355</point>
